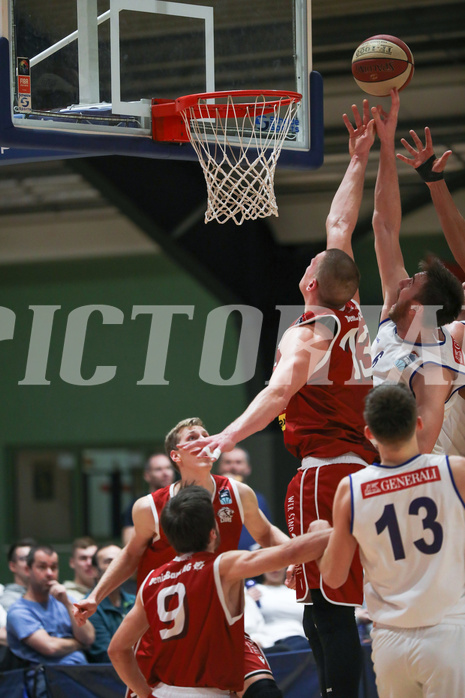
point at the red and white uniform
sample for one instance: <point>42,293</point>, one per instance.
<point>197,643</point>
<point>230,517</point>
<point>323,427</point>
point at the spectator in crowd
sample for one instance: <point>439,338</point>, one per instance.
<point>17,556</point>
<point>40,626</point>
<point>83,551</point>
<point>278,625</point>
<point>111,611</point>
<point>158,473</point>
<point>236,463</point>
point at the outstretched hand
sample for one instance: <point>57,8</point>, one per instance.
<point>209,447</point>
<point>363,135</point>
<point>82,610</point>
<point>423,152</point>
<point>386,122</point>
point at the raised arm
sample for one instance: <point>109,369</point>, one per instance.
<point>431,388</point>
<point>430,168</point>
<point>255,520</point>
<point>345,207</point>
<point>302,348</point>
<point>122,566</point>
<point>387,213</point>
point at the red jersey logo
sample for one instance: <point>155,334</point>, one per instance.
<point>458,353</point>
<point>400,482</point>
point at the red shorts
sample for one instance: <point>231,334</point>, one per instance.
<point>255,661</point>
<point>310,497</point>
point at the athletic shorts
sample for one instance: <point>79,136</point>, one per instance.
<point>255,661</point>
<point>310,497</point>
<point>420,662</point>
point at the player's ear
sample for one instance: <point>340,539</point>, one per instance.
<point>175,455</point>
<point>369,435</point>
<point>420,423</point>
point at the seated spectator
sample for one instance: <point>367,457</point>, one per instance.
<point>84,572</point>
<point>236,464</point>
<point>17,556</point>
<point>277,627</point>
<point>109,614</point>
<point>40,626</point>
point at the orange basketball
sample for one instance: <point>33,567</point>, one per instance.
<point>381,63</point>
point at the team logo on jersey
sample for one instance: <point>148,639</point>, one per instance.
<point>377,357</point>
<point>225,515</point>
<point>458,353</point>
<point>400,482</point>
<point>225,496</point>
<point>405,361</point>
<point>282,421</point>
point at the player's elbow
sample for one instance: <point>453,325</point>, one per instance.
<point>334,576</point>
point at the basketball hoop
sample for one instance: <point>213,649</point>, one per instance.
<point>238,137</point>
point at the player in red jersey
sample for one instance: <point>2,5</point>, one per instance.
<point>194,604</point>
<point>234,502</point>
<point>317,389</point>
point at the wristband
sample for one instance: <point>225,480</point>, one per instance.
<point>425,170</point>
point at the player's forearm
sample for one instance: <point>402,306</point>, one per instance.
<point>273,536</point>
<point>117,573</point>
<point>345,207</point>
<point>333,572</point>
<point>127,669</point>
<point>265,407</point>
<point>387,214</point>
<point>450,219</point>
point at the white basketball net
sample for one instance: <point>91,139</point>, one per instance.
<point>238,155</point>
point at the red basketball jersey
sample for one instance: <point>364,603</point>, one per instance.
<point>324,419</point>
<point>197,642</point>
<point>229,515</point>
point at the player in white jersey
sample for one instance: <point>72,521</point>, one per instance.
<point>414,308</point>
<point>407,514</point>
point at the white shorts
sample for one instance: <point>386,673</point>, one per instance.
<point>420,662</point>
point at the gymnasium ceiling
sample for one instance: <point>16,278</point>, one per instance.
<point>113,206</point>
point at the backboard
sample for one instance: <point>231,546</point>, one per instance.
<point>80,75</point>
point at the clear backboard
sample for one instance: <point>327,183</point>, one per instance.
<point>80,75</point>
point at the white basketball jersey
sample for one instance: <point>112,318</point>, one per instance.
<point>409,521</point>
<point>397,361</point>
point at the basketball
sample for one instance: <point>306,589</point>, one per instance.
<point>381,63</point>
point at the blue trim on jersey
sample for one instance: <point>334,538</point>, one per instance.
<point>400,465</point>
<point>388,319</point>
<point>453,482</point>
<point>423,344</point>
<point>351,505</point>
<point>449,368</point>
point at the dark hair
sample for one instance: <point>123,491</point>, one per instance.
<point>48,549</point>
<point>153,455</point>
<point>188,518</point>
<point>23,543</point>
<point>109,544</point>
<point>84,542</point>
<point>442,289</point>
<point>391,412</point>
<point>338,278</point>
<point>171,439</point>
